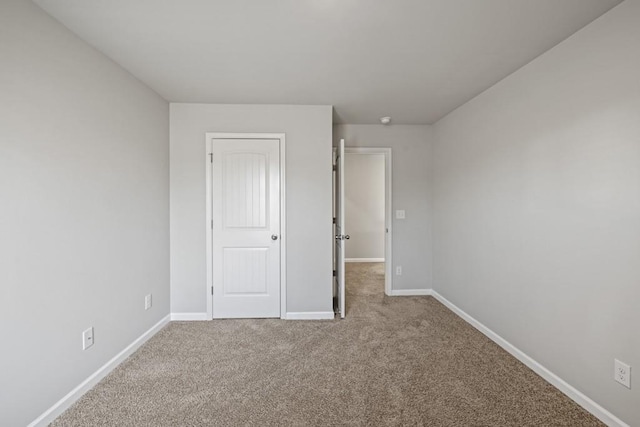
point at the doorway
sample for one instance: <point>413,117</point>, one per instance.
<point>245,223</point>
<point>365,223</point>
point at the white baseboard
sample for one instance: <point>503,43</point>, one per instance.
<point>182,317</point>
<point>409,292</point>
<point>311,315</point>
<point>598,411</point>
<point>63,404</point>
<point>594,408</point>
<point>364,260</point>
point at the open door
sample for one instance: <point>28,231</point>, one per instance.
<point>340,236</point>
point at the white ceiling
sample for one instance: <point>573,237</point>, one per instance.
<point>414,60</point>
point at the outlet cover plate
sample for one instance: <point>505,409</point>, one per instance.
<point>622,373</point>
<point>147,302</point>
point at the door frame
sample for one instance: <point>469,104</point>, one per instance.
<point>388,205</point>
<point>209,137</point>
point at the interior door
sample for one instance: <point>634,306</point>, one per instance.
<point>341,236</point>
<point>246,228</point>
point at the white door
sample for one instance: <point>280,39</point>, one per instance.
<point>341,236</point>
<point>246,228</point>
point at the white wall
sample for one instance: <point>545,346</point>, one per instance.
<point>84,184</point>
<point>537,208</point>
<point>364,205</point>
<point>308,195</point>
<point>411,151</point>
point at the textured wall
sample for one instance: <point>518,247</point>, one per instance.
<point>537,208</point>
<point>364,205</point>
<point>84,184</point>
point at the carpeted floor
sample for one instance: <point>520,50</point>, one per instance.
<point>392,361</point>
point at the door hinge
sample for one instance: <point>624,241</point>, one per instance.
<point>334,220</point>
<point>335,168</point>
<point>211,157</point>
<point>212,290</point>
<point>212,224</point>
<point>335,273</point>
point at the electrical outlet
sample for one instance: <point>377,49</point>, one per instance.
<point>87,338</point>
<point>147,302</point>
<point>622,373</point>
<point>400,214</point>
<point>399,270</point>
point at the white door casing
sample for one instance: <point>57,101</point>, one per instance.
<point>245,226</point>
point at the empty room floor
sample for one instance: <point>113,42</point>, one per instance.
<point>392,361</point>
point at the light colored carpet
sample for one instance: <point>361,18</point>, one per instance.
<point>392,361</point>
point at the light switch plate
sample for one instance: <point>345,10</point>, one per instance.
<point>400,214</point>
<point>87,338</point>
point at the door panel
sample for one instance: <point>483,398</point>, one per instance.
<point>246,228</point>
<point>245,190</point>
<point>245,271</point>
<point>341,236</point>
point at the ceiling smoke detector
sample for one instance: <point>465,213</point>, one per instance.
<point>385,120</point>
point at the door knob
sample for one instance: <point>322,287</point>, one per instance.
<point>347,237</point>
<point>274,237</point>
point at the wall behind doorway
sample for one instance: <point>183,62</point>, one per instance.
<point>411,151</point>
<point>364,206</point>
